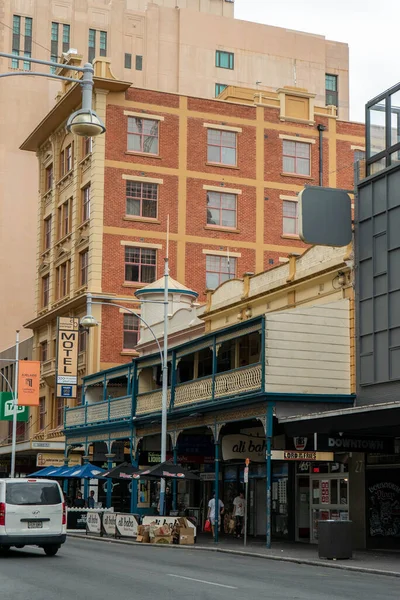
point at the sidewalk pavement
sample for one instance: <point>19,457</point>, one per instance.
<point>371,561</point>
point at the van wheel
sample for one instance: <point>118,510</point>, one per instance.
<point>51,550</point>
<point>4,548</point>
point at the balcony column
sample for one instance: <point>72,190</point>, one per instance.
<point>134,483</point>
<point>86,459</point>
<point>109,458</point>
<point>217,431</point>
<point>174,440</point>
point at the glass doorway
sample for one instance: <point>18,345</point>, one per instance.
<point>329,499</point>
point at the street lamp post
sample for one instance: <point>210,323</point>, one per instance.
<point>88,321</point>
<point>83,122</point>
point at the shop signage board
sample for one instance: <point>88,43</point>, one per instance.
<point>325,492</point>
<point>160,521</point>
<point>28,382</point>
<point>126,525</point>
<point>93,522</point>
<point>6,408</point>
<point>343,443</point>
<point>50,459</point>
<point>67,357</point>
<point>109,523</point>
<point>303,456</point>
<point>242,447</point>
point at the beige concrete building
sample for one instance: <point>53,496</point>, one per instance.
<point>191,47</point>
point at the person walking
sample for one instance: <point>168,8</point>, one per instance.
<point>238,513</point>
<point>214,513</point>
<point>91,501</point>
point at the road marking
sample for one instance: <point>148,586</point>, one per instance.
<point>230,587</point>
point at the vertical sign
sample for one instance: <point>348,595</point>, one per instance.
<point>325,492</point>
<point>28,382</point>
<point>67,357</point>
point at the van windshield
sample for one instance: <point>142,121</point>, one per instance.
<point>32,493</point>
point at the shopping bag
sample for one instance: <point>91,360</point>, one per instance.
<point>207,525</point>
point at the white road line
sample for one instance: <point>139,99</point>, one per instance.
<point>230,587</point>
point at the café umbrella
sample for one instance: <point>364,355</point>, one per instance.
<point>46,472</point>
<point>166,470</point>
<point>86,471</point>
<point>123,471</point>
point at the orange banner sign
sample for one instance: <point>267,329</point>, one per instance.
<point>28,382</point>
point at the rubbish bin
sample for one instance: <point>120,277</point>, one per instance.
<point>334,539</point>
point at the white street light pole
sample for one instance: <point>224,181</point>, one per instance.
<point>15,407</point>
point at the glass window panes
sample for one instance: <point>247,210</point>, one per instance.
<point>224,60</point>
<point>140,264</point>
<point>296,157</point>
<point>290,217</point>
<point>343,491</point>
<point>331,90</point>
<point>219,269</point>
<point>66,38</point>
<point>128,61</point>
<point>395,118</point>
<point>131,331</point>
<point>219,87</point>
<point>103,43</point>
<point>141,199</point>
<point>221,147</point>
<point>139,62</point>
<point>377,128</point>
<point>221,209</point>
<point>143,135</point>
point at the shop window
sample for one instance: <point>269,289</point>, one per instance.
<point>249,349</point>
<point>226,356</point>
<point>205,362</point>
<point>185,370</point>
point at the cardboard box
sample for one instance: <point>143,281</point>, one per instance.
<point>143,539</point>
<point>162,539</point>
<point>186,536</point>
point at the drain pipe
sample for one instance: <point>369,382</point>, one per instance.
<point>321,129</point>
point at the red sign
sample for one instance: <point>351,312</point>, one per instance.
<point>325,492</point>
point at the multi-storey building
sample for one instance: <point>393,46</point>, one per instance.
<point>218,179</point>
<point>192,47</point>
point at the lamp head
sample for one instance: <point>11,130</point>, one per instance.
<point>88,321</point>
<point>86,123</point>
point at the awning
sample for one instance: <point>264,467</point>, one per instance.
<point>379,419</point>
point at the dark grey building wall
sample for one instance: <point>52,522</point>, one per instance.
<point>377,262</point>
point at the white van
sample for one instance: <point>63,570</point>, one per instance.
<point>32,512</point>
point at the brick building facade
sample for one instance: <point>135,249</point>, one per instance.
<point>223,173</point>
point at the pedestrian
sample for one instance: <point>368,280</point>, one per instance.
<point>91,501</point>
<point>238,513</point>
<point>79,501</point>
<point>214,514</point>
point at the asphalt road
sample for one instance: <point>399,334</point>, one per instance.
<point>90,570</point>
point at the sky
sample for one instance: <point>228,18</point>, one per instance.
<point>370,28</point>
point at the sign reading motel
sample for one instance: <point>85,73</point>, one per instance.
<point>67,356</point>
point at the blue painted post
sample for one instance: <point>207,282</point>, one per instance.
<point>134,487</point>
<point>269,476</point>
<point>85,481</point>
<point>65,482</point>
<point>109,458</point>
<point>174,482</point>
<point>216,528</point>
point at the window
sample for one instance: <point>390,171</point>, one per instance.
<point>63,280</point>
<point>296,158</point>
<point>131,331</point>
<point>42,413</point>
<point>221,209</point>
<point>54,38</point>
<point>139,62</point>
<point>218,270</point>
<point>66,41</point>
<point>221,147</point>
<point>92,45</point>
<point>45,290</point>
<point>87,146</point>
<point>64,218</point>
<point>141,199</point>
<point>128,61</point>
<point>224,60</point>
<point>60,412</point>
<point>44,351</point>
<point>219,88</point>
<point>16,40</point>
<point>103,43</point>
<point>66,160</point>
<point>142,135</point>
<point>47,233</point>
<point>140,264</point>
<point>82,341</point>
<point>83,267</point>
<point>331,90</point>
<point>49,178</point>
<point>28,43</point>
<point>86,203</point>
<point>290,217</point>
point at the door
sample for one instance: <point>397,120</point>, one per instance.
<point>33,508</point>
<point>303,509</point>
<point>261,507</point>
<point>329,500</point>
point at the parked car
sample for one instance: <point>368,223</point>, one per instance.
<point>32,512</point>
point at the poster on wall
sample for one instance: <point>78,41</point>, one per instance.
<point>384,509</point>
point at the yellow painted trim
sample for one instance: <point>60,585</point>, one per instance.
<point>293,138</point>
<point>142,179</point>
<point>224,190</point>
<point>222,127</point>
<point>182,188</point>
<point>272,185</point>
<point>222,253</point>
<point>283,260</point>
<point>362,148</point>
<point>140,244</point>
<point>291,198</point>
<point>332,145</point>
<point>126,311</point>
<point>350,138</point>
<point>194,239</point>
<point>129,113</point>
<point>260,189</point>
